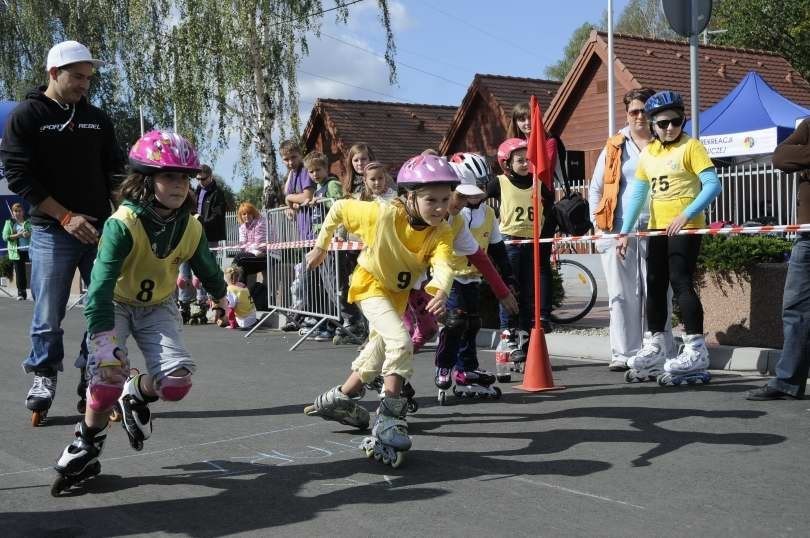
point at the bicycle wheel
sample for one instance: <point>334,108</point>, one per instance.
<point>578,292</point>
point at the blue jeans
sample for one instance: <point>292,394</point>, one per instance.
<point>55,256</point>
<point>457,348</point>
<point>794,363</point>
<point>521,259</point>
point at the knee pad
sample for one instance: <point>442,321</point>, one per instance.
<point>173,388</point>
<point>455,323</point>
<point>196,282</point>
<point>182,282</point>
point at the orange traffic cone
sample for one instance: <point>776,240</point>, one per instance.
<point>537,374</point>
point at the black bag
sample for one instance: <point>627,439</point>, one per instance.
<point>258,292</point>
<point>572,213</point>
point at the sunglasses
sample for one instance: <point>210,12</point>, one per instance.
<point>664,124</point>
<point>635,112</point>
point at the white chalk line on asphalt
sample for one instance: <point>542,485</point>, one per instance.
<point>174,449</point>
<point>525,479</point>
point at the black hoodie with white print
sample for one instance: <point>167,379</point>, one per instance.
<point>69,154</point>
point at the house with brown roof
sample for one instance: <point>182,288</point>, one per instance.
<point>395,131</point>
<point>579,112</point>
<point>481,121</point>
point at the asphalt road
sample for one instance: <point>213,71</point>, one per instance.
<point>238,456</point>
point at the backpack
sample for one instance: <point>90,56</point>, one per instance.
<point>571,212</point>
<point>258,292</point>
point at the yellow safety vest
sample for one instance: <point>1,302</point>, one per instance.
<point>461,265</point>
<point>517,211</point>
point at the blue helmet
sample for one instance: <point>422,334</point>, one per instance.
<point>663,100</point>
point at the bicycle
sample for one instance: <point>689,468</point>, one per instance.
<point>573,286</point>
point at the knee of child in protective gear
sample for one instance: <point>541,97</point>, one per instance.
<point>196,282</point>
<point>455,322</point>
<point>174,388</point>
<point>108,368</point>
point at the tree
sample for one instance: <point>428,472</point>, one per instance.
<point>639,17</point>
<point>782,27</point>
<point>252,191</point>
<point>559,70</point>
<point>216,66</point>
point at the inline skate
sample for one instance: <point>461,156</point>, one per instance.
<point>389,438</point>
<point>474,384</point>
<point>185,311</point>
<point>349,335</point>
<point>444,381</point>
<point>79,460</point>
<point>199,313</point>
<point>407,392</point>
<point>518,348</point>
<point>334,405</point>
<point>136,418</point>
<point>40,396</point>
<point>690,366</point>
<point>648,364</point>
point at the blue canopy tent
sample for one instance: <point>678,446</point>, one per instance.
<point>751,120</point>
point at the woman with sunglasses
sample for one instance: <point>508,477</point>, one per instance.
<point>679,175</point>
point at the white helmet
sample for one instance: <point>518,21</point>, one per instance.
<point>474,172</point>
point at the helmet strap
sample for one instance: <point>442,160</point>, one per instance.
<point>414,218</point>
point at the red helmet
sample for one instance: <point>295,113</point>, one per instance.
<point>507,148</point>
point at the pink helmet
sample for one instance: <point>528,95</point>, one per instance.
<point>507,148</point>
<point>426,170</point>
<point>163,151</point>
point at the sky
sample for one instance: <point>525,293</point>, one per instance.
<point>441,45</point>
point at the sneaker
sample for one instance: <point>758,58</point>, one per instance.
<point>768,393</point>
<point>20,298</point>
<point>324,335</point>
<point>42,391</point>
<point>618,365</point>
<point>289,327</point>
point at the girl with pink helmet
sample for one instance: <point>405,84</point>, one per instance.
<point>132,293</point>
<point>401,240</point>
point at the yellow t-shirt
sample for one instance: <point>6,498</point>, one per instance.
<point>517,210</point>
<point>146,279</point>
<point>462,266</point>
<point>673,175</point>
<point>394,255</point>
<point>240,300</point>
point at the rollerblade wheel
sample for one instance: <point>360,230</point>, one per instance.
<point>413,406</point>
<point>497,395</point>
<point>629,377</point>
<point>38,417</point>
<point>442,398</point>
<point>398,460</point>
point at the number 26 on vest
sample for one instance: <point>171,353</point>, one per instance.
<point>519,212</point>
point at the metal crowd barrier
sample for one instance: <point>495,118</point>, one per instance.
<point>309,297</point>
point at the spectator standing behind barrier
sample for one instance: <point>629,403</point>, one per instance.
<point>17,235</point>
<point>520,127</point>
<point>210,211</point>
<point>677,172</point>
<point>626,277</point>
<point>793,155</point>
<point>252,258</point>
<point>298,191</point>
<point>60,154</point>
<point>327,191</point>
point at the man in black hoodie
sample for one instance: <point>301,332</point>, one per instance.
<point>60,154</point>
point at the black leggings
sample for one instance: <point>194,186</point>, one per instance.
<point>672,261</point>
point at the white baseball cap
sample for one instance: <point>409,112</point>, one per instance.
<point>469,187</point>
<point>70,52</point>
